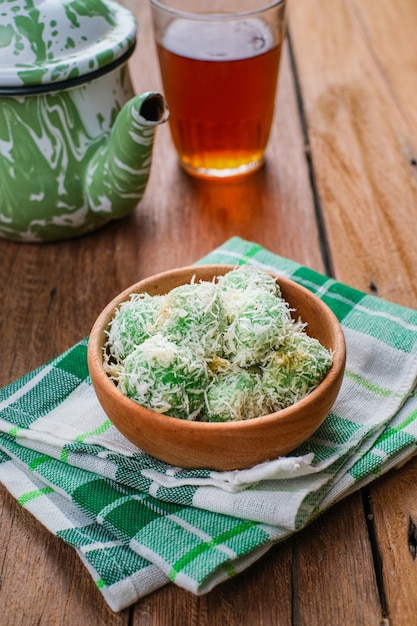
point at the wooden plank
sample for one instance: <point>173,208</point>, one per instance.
<point>362,136</point>
<point>364,162</point>
<point>335,579</point>
<point>42,581</point>
<point>390,28</point>
<point>395,517</point>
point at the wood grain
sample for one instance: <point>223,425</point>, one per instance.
<point>340,540</point>
<point>359,88</point>
<point>42,581</point>
<point>395,517</point>
<point>356,67</point>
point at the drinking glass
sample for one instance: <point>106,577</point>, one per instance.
<point>219,63</point>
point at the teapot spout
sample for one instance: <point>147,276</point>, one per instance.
<point>117,173</point>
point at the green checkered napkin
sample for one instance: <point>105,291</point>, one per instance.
<point>138,523</point>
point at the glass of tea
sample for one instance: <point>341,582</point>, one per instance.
<point>219,62</point>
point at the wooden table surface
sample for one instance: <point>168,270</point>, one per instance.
<point>338,193</point>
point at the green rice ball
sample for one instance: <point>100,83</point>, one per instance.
<point>249,277</point>
<point>259,325</point>
<point>193,315</point>
<point>294,370</point>
<point>165,377</point>
<point>132,324</point>
<point>235,395</point>
<point>235,285</point>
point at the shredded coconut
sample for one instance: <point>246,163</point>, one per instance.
<point>295,369</point>
<point>214,351</point>
<point>193,315</point>
<point>165,377</point>
<point>133,323</point>
<point>234,395</point>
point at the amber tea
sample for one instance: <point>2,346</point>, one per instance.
<point>220,81</point>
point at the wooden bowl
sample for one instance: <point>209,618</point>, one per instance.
<point>220,445</point>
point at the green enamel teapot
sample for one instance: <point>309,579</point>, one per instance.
<point>75,142</point>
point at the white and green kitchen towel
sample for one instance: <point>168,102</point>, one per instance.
<point>138,523</point>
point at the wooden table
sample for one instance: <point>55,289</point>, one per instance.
<point>339,194</point>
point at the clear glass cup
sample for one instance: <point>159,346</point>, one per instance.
<point>219,64</point>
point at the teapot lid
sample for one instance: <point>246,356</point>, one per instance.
<point>46,42</point>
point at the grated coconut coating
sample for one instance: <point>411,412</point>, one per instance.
<point>240,282</point>
<point>249,277</point>
<point>234,395</point>
<point>258,326</point>
<point>193,315</point>
<point>214,351</point>
<point>165,377</point>
<point>294,370</point>
<point>132,324</point>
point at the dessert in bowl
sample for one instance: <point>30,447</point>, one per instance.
<point>225,405</point>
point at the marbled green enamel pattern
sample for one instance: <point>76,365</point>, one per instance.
<point>49,41</point>
<point>70,161</point>
<point>71,157</point>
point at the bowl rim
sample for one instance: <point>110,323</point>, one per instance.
<point>95,358</point>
